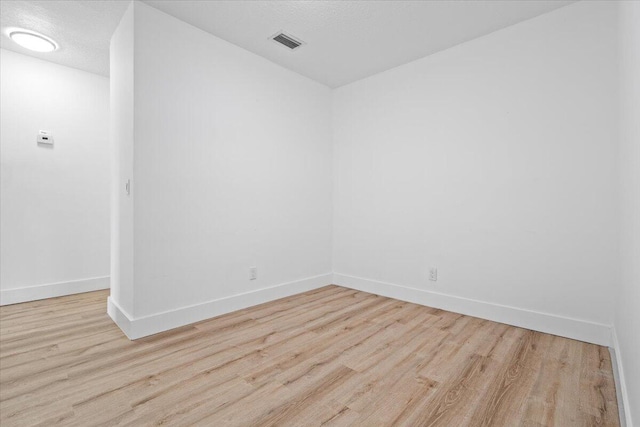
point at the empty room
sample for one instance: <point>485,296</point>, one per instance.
<point>320,213</point>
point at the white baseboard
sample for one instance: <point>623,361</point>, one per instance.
<point>582,330</point>
<point>138,327</point>
<point>621,385</point>
<point>119,316</point>
<point>52,290</point>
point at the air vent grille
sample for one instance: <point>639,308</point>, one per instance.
<point>287,40</point>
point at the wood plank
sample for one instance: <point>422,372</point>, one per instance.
<point>331,356</point>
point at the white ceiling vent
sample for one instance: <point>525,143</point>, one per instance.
<point>287,40</point>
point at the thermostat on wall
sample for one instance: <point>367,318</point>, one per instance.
<point>45,137</point>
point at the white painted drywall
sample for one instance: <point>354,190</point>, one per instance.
<point>232,161</point>
<point>121,121</point>
<point>54,201</point>
<point>350,40</point>
<point>627,313</point>
<point>494,161</point>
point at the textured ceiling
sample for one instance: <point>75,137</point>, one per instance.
<point>349,40</point>
<point>82,29</point>
<point>345,40</point>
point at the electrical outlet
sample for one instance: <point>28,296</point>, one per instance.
<point>45,137</point>
<point>433,274</point>
<point>253,273</point>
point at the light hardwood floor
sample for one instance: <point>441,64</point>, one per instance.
<point>332,356</point>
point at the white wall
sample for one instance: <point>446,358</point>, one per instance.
<point>231,169</point>
<point>627,313</point>
<point>494,161</point>
<point>121,121</point>
<point>54,201</point>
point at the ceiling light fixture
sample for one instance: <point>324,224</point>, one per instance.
<point>33,41</point>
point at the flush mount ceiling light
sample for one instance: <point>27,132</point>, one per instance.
<point>33,41</point>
